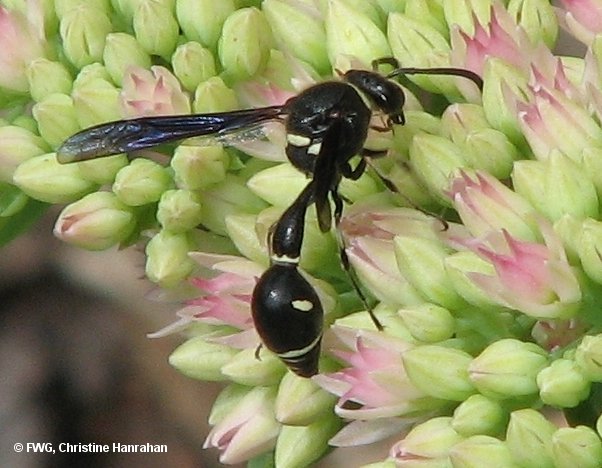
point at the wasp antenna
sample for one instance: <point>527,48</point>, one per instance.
<point>445,71</point>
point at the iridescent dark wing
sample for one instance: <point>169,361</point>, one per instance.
<point>128,135</point>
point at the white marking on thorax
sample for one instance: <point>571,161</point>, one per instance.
<point>300,141</point>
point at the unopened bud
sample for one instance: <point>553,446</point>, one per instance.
<point>141,182</point>
<point>200,359</point>
<point>47,77</point>
<point>43,178</point>
<point>83,31</point>
<point>95,222</point>
<point>121,52</point>
<point>167,262</point>
<point>508,368</point>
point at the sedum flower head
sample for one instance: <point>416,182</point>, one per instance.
<point>475,240</point>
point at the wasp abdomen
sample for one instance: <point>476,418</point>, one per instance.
<point>288,317</point>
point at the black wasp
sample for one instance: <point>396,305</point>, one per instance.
<point>326,125</point>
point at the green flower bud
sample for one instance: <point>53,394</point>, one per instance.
<point>198,167</point>
<point>499,78</point>
<point>241,230</point>
<point>431,439</point>
<point>46,77</point>
<point>439,372</point>
<point>480,450</point>
<point>102,171</point>
<point>142,181</point>
<point>351,32</point>
<point>62,7</point>
<point>179,210</point>
<point>23,121</point>
<point>89,73</point>
<point>156,28</point>
<point>479,415</point>
<point>247,369</point>
<point>434,160</point>
<point>56,118</point>
<point>214,96</point>
<point>483,147</point>
<point>167,262</point>
<point>278,185</point>
<point>13,202</point>
<point>227,400</point>
<point>244,47</point>
<point>300,446</point>
<point>226,198</point>
<point>459,267</point>
<point>16,146</point>
<point>387,316</point>
<point>592,163</point>
<point>568,228</point>
<point>588,356</point>
<point>466,13</point>
<point>421,262</point>
<point>537,18</point>
<point>247,423</point>
<point>300,401</point>
<point>459,120</point>
<point>47,13</point>
<point>122,51</point>
<point>298,31</point>
<point>576,446</point>
<point>96,100</point>
<point>507,368</point>
<point>391,464</point>
<point>588,241</point>
<point>360,189</point>
<point>95,222</point>
<point>418,43</point>
<point>404,179</point>
<point>417,122</point>
<point>529,437</point>
<point>44,179</point>
<point>83,33</point>
<point>202,20</point>
<point>430,13</point>
<point>368,9</point>
<point>200,359</point>
<point>556,187</point>
<point>428,323</point>
<point>562,384</point>
<point>192,64</point>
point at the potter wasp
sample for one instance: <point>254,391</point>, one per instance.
<point>326,125</point>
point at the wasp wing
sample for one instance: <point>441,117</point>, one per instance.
<point>128,135</point>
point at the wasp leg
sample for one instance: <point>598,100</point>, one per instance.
<point>385,61</point>
<point>338,211</point>
<point>356,173</point>
<point>393,188</point>
<point>257,351</point>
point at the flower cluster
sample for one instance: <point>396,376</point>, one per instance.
<point>484,263</point>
